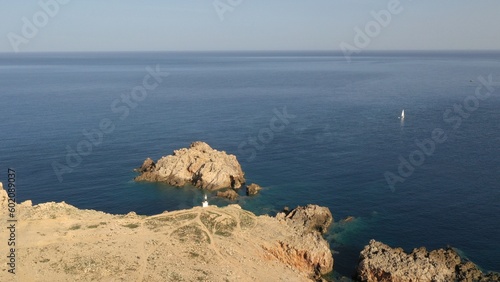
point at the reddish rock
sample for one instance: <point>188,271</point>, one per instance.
<point>310,251</point>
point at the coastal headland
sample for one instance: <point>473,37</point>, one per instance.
<point>59,242</point>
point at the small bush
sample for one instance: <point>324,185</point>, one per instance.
<point>131,225</point>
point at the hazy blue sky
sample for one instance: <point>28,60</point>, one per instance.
<point>164,25</point>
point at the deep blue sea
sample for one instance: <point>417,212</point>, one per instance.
<point>309,127</point>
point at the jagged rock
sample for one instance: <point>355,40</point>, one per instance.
<point>379,262</point>
<point>199,165</point>
<point>311,218</point>
<point>309,252</point>
<point>469,272</point>
<point>314,252</point>
<point>228,194</point>
<point>147,166</point>
<point>28,203</point>
<point>253,189</point>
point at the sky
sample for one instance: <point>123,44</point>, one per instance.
<point>196,25</point>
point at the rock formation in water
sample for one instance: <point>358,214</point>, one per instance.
<point>198,165</point>
<point>253,189</point>
<point>228,194</point>
<point>381,263</point>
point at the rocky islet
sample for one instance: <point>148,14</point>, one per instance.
<point>199,165</point>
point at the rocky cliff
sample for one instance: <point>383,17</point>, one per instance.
<point>198,165</point>
<point>379,262</point>
<point>58,242</point>
<point>310,221</point>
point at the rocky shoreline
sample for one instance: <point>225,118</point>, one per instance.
<point>59,242</point>
<point>379,262</point>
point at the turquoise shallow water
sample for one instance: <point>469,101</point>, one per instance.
<point>344,135</point>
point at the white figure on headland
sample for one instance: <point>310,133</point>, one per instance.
<point>205,202</point>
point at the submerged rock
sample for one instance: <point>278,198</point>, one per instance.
<point>253,189</point>
<point>379,262</point>
<point>198,165</point>
<point>348,219</point>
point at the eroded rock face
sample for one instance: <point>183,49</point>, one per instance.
<point>199,165</point>
<point>379,262</point>
<point>147,166</point>
<point>310,217</point>
<point>310,251</point>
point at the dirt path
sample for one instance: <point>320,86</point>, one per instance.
<point>58,242</point>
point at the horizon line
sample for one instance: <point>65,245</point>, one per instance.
<point>261,51</point>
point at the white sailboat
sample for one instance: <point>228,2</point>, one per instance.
<point>402,115</point>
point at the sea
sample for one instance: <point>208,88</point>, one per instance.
<point>309,127</point>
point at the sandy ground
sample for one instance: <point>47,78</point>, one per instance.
<point>58,242</point>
